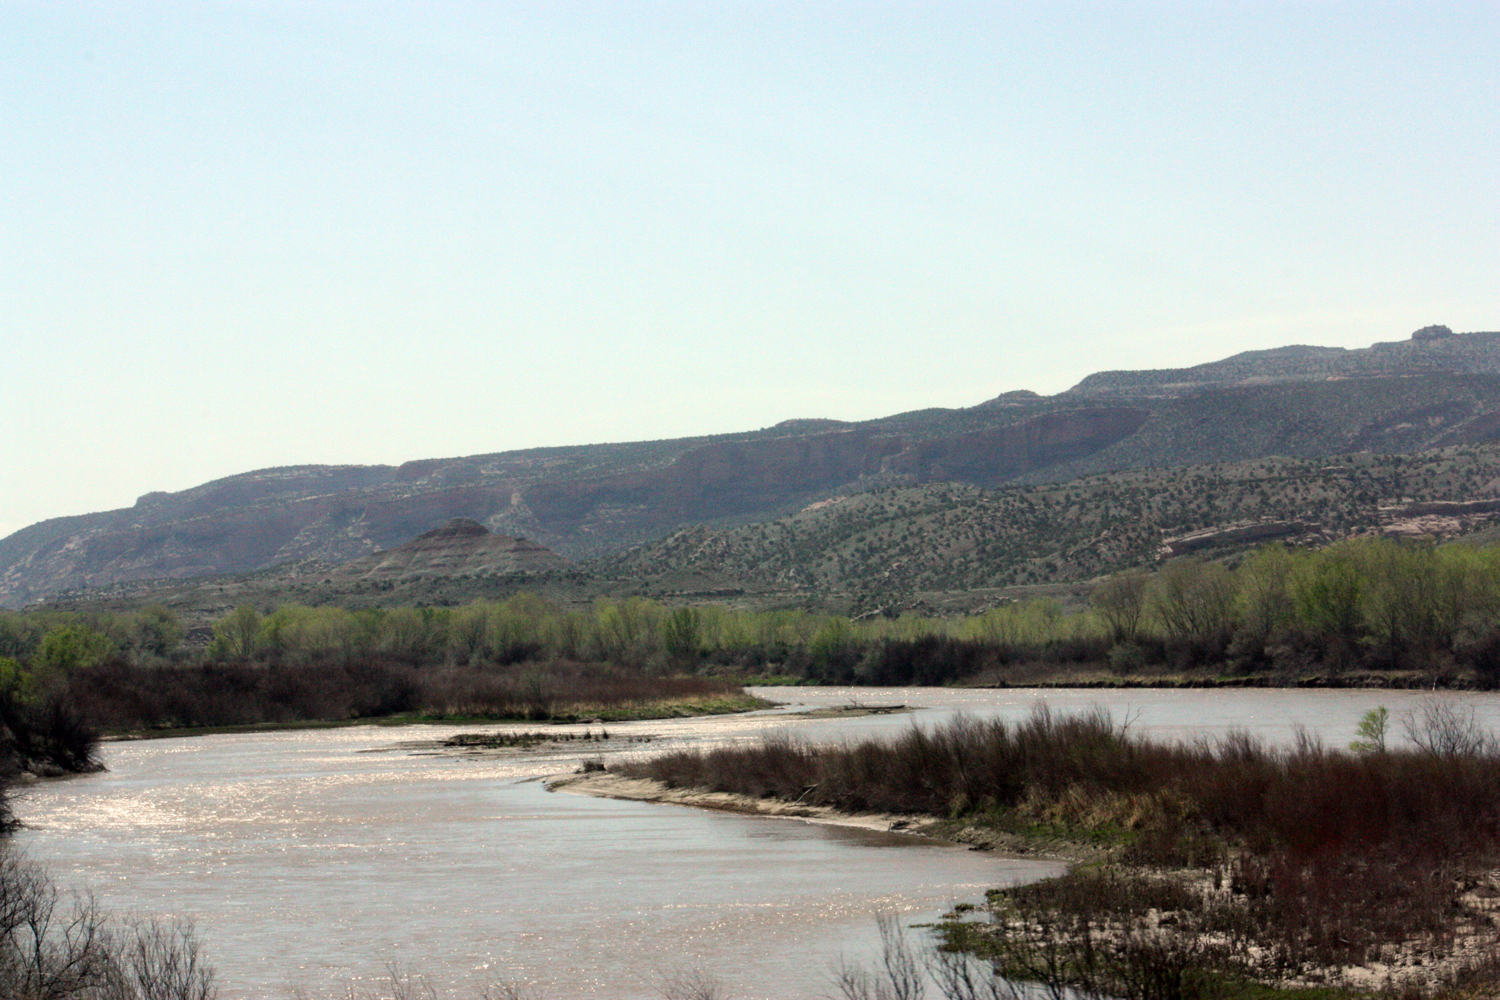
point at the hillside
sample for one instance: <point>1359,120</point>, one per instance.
<point>1430,349</point>
<point>575,501</point>
<point>600,500</point>
<point>893,543</point>
<point>936,545</point>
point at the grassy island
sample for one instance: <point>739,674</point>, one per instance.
<point>1211,869</point>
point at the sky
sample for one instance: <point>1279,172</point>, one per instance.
<point>243,235</point>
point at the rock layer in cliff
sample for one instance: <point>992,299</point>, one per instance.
<point>462,547</point>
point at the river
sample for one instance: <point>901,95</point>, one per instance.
<point>310,860</point>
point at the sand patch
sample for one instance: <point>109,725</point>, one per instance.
<point>614,786</point>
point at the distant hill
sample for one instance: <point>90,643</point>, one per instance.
<point>1434,390</point>
<point>934,545</point>
<point>462,547</point>
<point>1430,349</point>
<point>576,501</point>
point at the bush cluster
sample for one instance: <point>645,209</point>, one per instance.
<point>117,696</point>
<point>1319,858</point>
<point>62,946</point>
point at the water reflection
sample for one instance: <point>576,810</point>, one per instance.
<point>308,860</point>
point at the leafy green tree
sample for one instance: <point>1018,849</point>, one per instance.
<point>1326,592</point>
<point>72,647</point>
<point>566,634</point>
<point>1370,733</point>
<point>350,634</point>
<point>999,626</point>
<point>834,636</point>
<point>156,631</point>
<point>408,634</point>
<point>1195,600</point>
<point>1467,598</point>
<point>17,685</point>
<point>721,628</point>
<point>1265,591</point>
<point>237,634</point>
<point>680,631</point>
<point>469,633</point>
<point>627,630</point>
<point>16,637</point>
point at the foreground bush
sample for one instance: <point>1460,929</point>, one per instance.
<point>1307,859</point>
<point>1085,769</point>
<point>56,946</point>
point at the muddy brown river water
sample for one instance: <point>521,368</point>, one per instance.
<point>310,860</point>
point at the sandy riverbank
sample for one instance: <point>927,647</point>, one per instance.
<point>605,784</point>
<point>614,786</point>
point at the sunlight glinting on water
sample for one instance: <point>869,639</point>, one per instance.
<point>308,860</point>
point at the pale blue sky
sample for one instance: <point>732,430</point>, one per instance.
<point>243,235</point>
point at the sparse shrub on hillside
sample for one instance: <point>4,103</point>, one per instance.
<point>947,536</point>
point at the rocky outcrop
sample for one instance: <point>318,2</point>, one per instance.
<point>1248,533</point>
<point>1309,419</point>
<point>462,547</point>
<point>1442,508</point>
<point>992,457</point>
<point>1433,333</point>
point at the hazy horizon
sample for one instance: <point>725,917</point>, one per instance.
<point>249,235</point>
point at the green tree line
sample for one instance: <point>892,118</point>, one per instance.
<point>1371,603</point>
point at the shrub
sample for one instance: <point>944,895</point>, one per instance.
<point>53,944</point>
<point>1126,658</point>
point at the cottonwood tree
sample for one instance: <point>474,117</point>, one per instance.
<point>679,633</point>
<point>1195,600</point>
<point>1121,602</point>
<point>1265,591</point>
<point>237,634</point>
<point>68,647</point>
<point>1326,592</point>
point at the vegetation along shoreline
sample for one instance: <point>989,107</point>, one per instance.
<point>1224,868</point>
<point>1203,870</point>
<point>1369,612</point>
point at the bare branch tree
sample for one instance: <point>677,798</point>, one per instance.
<point>1447,728</point>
